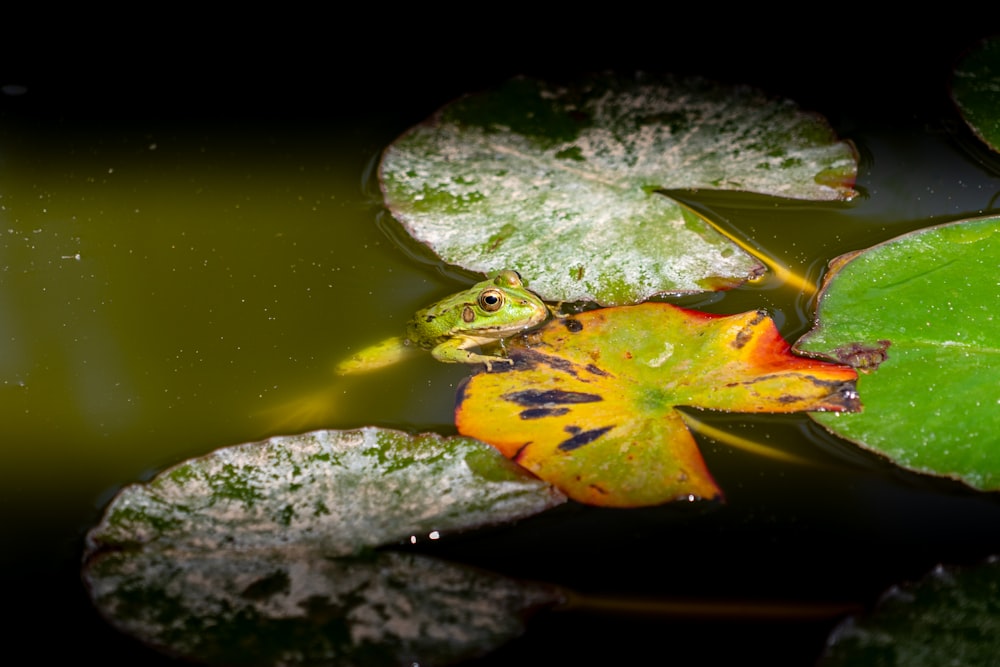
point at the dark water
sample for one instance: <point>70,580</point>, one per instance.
<point>188,247</point>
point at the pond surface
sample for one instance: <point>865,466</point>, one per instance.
<point>183,262</point>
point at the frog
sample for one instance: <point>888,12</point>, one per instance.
<point>449,329</point>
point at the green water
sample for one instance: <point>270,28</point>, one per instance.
<point>169,287</point>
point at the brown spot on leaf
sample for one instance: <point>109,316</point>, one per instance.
<point>534,398</point>
<point>581,438</point>
<point>865,358</point>
<point>573,326</point>
<point>539,413</point>
<point>746,334</point>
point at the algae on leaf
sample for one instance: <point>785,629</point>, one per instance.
<point>566,183</point>
<point>918,315</point>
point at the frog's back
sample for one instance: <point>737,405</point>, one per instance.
<point>429,327</point>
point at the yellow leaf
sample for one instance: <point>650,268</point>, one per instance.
<point>589,404</point>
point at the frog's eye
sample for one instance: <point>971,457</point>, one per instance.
<point>491,300</point>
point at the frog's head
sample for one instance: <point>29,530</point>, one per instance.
<point>503,305</point>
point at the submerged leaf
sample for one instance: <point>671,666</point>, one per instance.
<point>590,404</point>
<point>566,183</point>
<point>918,315</point>
<point>976,90</point>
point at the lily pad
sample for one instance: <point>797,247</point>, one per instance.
<point>918,315</point>
<point>566,183</point>
<point>950,617</point>
<point>590,403</point>
<point>335,492</point>
<point>976,90</point>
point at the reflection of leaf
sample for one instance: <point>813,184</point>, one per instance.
<point>976,90</point>
<point>919,314</point>
<point>950,617</point>
<point>336,491</point>
<point>590,404</point>
<point>565,184</point>
<point>289,606</point>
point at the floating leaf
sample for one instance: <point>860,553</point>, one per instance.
<point>950,617</point>
<point>590,402</point>
<point>334,491</point>
<point>976,90</point>
<point>565,183</point>
<point>286,606</point>
<point>918,314</point>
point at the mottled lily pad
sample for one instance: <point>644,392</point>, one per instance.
<point>976,90</point>
<point>950,617</point>
<point>566,183</point>
<point>590,403</point>
<point>918,315</point>
<point>336,492</point>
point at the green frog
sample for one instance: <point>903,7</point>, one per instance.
<point>485,313</point>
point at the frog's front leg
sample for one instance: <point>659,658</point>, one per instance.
<point>455,351</point>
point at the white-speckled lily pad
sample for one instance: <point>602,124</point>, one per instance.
<point>565,184</point>
<point>334,492</point>
<point>950,617</point>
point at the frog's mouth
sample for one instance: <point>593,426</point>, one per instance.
<point>486,335</point>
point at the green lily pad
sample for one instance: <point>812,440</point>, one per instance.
<point>976,90</point>
<point>950,617</point>
<point>565,183</point>
<point>590,402</point>
<point>918,316</point>
<point>335,492</point>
